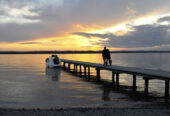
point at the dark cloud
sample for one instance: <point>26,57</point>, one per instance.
<point>89,35</point>
<point>30,43</point>
<point>141,36</point>
<point>15,32</point>
<point>164,19</point>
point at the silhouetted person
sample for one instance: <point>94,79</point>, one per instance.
<point>108,57</point>
<point>104,54</point>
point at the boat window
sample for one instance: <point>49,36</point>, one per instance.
<point>47,60</point>
<point>56,60</point>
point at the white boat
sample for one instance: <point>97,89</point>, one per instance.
<point>53,61</point>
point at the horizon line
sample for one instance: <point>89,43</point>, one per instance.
<point>88,51</point>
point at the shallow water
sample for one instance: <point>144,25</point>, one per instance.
<point>26,83</point>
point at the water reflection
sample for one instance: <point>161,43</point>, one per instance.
<point>21,82</point>
<point>106,92</point>
<point>150,61</point>
<point>95,58</point>
<point>53,73</point>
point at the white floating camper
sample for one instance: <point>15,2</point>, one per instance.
<point>53,61</point>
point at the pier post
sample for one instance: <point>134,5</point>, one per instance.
<point>117,78</point>
<point>134,82</point>
<point>80,70</point>
<point>64,65</point>
<point>146,85</point>
<point>113,77</point>
<point>88,71</point>
<point>98,74</point>
<point>76,68</point>
<point>69,66</point>
<point>167,89</point>
<point>85,71</point>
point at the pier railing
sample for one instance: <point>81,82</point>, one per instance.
<point>147,74</point>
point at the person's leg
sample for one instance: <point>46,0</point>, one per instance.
<point>110,62</point>
<point>104,60</point>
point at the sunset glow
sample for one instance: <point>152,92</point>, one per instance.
<point>25,27</point>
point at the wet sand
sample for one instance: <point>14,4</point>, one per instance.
<point>88,111</point>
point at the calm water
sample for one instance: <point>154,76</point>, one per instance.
<point>26,83</point>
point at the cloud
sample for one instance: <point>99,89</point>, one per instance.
<point>164,19</point>
<point>20,14</point>
<point>22,20</point>
<point>30,43</point>
<point>141,36</point>
<point>131,13</point>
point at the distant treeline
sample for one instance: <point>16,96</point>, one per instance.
<point>48,52</point>
<point>75,52</point>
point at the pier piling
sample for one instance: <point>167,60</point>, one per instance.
<point>85,71</point>
<point>76,68</point>
<point>88,72</point>
<point>147,74</point>
<point>80,70</point>
<point>64,65</point>
<point>69,66</point>
<point>113,77</point>
<point>167,89</point>
<point>134,82</point>
<point>117,78</point>
<point>146,85</point>
<point>98,74</point>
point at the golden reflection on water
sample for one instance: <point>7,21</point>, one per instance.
<point>95,58</point>
<point>38,60</point>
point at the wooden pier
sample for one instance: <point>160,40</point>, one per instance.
<point>147,74</point>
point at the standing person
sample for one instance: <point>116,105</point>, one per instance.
<point>108,57</point>
<point>104,54</point>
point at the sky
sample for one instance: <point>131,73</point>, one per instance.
<point>35,25</point>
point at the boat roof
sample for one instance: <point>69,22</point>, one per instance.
<point>54,55</point>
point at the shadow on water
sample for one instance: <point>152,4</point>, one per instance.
<point>53,74</point>
<point>107,87</point>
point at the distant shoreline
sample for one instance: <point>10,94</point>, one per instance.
<point>75,52</point>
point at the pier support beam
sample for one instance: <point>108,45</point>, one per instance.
<point>146,85</point>
<point>113,77</point>
<point>117,78</point>
<point>167,89</point>
<point>98,74</point>
<point>134,82</point>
